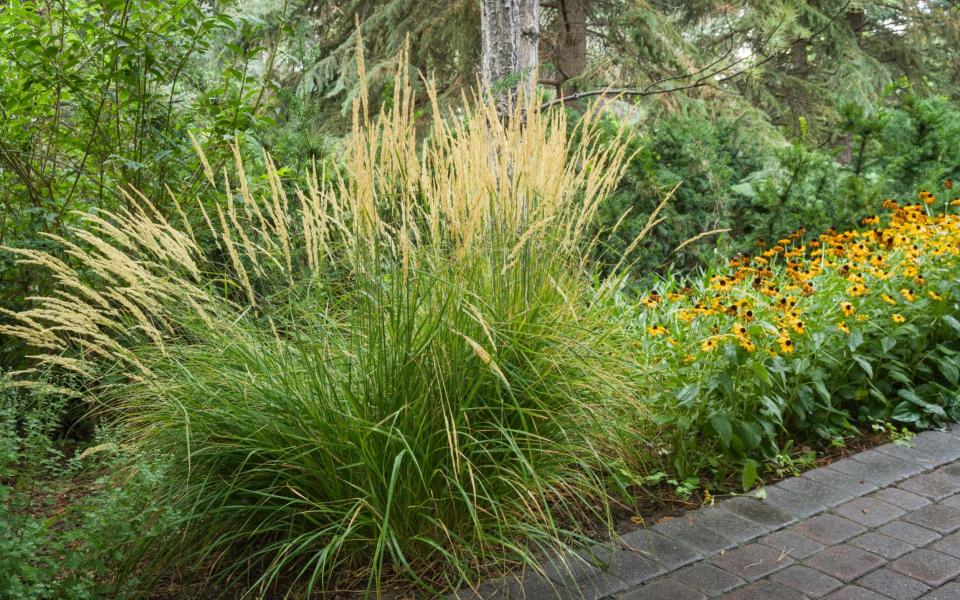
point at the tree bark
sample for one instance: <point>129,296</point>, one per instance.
<point>798,56</point>
<point>510,34</point>
<point>568,42</point>
<point>857,19</point>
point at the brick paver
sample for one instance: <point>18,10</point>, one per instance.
<point>880,525</point>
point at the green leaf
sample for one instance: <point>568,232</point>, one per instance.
<point>854,339</point>
<point>818,385</point>
<point>949,370</point>
<point>748,475</point>
<point>911,396</point>
<point>887,344</point>
<point>905,412</point>
<point>721,425</point>
<point>952,322</point>
<point>864,364</point>
<point>688,394</point>
<point>751,434</point>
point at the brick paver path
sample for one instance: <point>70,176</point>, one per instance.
<point>882,524</point>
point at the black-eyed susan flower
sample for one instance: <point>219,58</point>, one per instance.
<point>709,345</point>
<point>934,296</point>
<point>656,330</point>
<point>786,344</point>
<point>843,327</point>
<point>907,295</point>
<point>888,299</point>
<point>797,325</point>
<point>857,290</point>
<point>897,318</point>
<point>847,308</point>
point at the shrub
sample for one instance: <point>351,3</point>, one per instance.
<point>402,371</point>
<point>808,340</point>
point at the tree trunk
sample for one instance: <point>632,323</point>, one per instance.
<point>511,33</point>
<point>569,42</point>
<point>857,19</point>
<point>798,56</point>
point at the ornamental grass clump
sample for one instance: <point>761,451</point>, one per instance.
<point>399,371</point>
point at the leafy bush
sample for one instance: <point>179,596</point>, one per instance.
<point>762,189</point>
<point>814,337</point>
<point>64,523</point>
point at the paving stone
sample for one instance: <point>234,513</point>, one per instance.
<point>949,545</point>
<point>585,571</point>
<point>764,590</point>
<point>759,512</point>
<point>941,446</point>
<point>939,517</point>
<point>752,561</point>
<point>909,453</point>
<point>952,470</point>
<point>807,580</point>
<point>896,585</point>
<point>952,501</point>
<point>828,529</point>
<point>795,505</point>
<point>882,469</point>
<point>526,586</point>
<point>693,534</point>
<point>885,546</point>
<point>669,552</point>
<point>821,492</point>
<point>852,485</point>
<point>909,533</point>
<point>536,587</point>
<point>707,578</point>
<point>855,592</point>
<point>844,562</point>
<point>931,567</point>
<point>664,588</point>
<point>869,512</point>
<point>791,543</point>
<point>951,591</point>
<point>898,497</point>
<point>633,568</point>
<point>729,525</point>
<point>935,485</point>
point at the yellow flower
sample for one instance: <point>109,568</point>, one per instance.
<point>709,345</point>
<point>907,295</point>
<point>786,344</point>
<point>888,299</point>
<point>797,326</point>
<point>739,330</point>
<point>934,296</point>
<point>843,327</point>
<point>747,345</point>
<point>656,330</point>
<point>847,308</point>
<point>897,318</point>
<point>857,290</point>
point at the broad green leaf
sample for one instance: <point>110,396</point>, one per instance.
<point>721,425</point>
